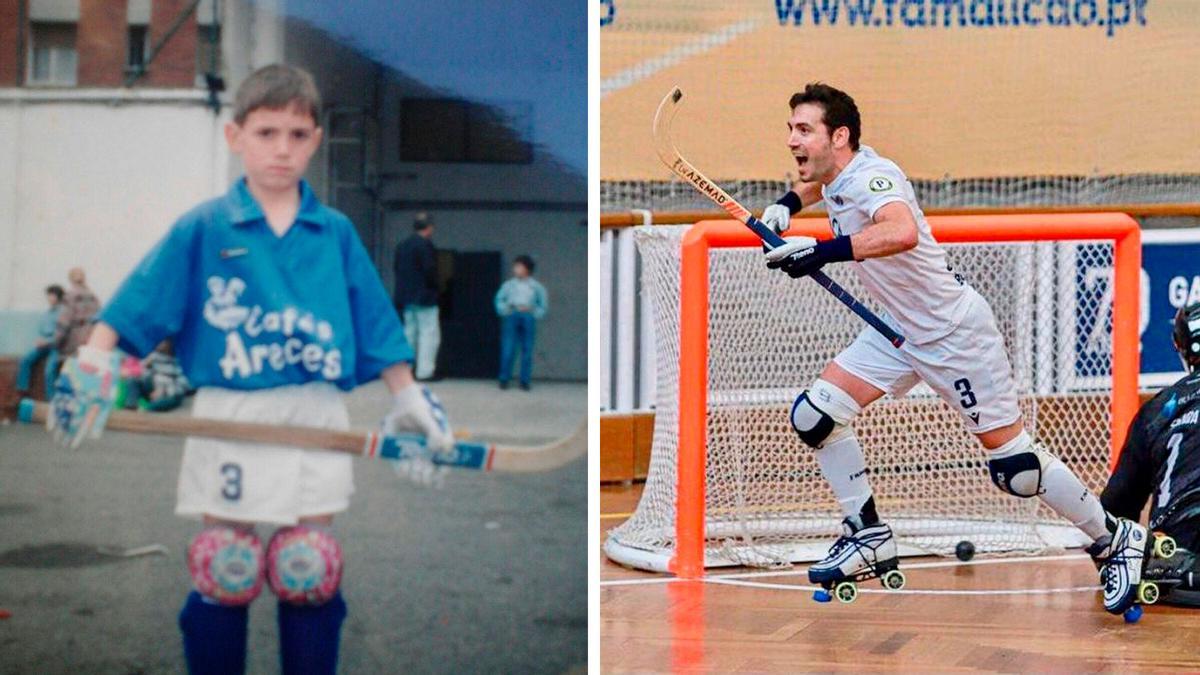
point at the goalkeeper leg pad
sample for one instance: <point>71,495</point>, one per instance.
<point>304,565</point>
<point>1018,466</point>
<point>822,414</point>
<point>227,565</point>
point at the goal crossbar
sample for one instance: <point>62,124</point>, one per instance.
<point>689,559</point>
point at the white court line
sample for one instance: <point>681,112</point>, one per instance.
<point>718,578</point>
<point>699,45</point>
<point>915,591</point>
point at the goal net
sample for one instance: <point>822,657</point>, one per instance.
<point>763,501</point>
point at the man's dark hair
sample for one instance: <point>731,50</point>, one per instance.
<point>56,290</point>
<point>422,221</point>
<point>524,261</point>
<point>840,110</point>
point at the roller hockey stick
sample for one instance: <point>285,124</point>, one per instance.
<point>465,455</point>
<point>682,168</point>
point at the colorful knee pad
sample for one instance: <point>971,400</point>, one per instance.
<point>227,565</point>
<point>304,565</point>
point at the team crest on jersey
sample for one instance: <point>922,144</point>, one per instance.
<point>880,184</point>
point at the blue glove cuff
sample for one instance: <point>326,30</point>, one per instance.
<point>838,249</point>
<point>792,201</point>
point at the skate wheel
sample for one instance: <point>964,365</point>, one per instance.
<point>1164,546</point>
<point>1147,592</point>
<point>846,592</point>
<point>1133,614</point>
<point>822,595</point>
<point>894,580</point>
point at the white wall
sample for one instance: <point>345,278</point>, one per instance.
<point>94,179</point>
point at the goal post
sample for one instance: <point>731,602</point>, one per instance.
<point>1047,273</point>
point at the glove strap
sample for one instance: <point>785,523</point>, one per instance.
<point>792,201</point>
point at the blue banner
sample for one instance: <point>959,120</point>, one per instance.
<point>1170,279</point>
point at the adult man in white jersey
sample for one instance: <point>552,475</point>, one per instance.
<point>952,344</point>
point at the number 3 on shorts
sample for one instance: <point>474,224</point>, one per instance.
<point>963,387</point>
<point>232,489</point>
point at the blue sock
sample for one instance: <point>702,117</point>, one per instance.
<point>214,636</point>
<point>308,636</point>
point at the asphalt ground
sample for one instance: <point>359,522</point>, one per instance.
<point>487,574</point>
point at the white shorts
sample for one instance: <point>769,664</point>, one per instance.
<point>266,483</point>
<point>968,368</point>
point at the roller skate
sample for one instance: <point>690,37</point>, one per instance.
<point>862,553</point>
<point>1122,557</point>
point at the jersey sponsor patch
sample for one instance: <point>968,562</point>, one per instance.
<point>290,336</point>
<point>880,184</point>
<point>227,253</point>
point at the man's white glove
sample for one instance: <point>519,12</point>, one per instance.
<point>791,245</point>
<point>777,217</point>
<point>415,408</point>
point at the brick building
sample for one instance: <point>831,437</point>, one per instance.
<point>107,43</point>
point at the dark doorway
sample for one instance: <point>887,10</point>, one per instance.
<point>470,327</point>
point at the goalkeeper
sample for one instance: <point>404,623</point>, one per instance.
<point>1161,461</point>
<point>952,344</point>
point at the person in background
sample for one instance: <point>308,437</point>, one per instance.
<point>79,309</point>
<point>159,384</point>
<point>415,267</point>
<point>520,302</point>
<point>43,345</point>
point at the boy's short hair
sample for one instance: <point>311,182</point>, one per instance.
<point>421,221</point>
<point>525,261</point>
<point>55,290</point>
<point>275,87</point>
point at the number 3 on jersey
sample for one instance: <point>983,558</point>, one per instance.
<point>963,387</point>
<point>232,489</point>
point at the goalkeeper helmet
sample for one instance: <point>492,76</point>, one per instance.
<point>1187,335</point>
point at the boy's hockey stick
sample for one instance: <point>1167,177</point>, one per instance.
<point>682,168</point>
<point>465,455</point>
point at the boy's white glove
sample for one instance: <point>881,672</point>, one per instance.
<point>777,217</point>
<point>416,409</point>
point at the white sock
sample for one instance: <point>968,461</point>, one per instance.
<point>1063,492</point>
<point>845,469</point>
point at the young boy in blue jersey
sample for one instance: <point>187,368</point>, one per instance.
<point>520,302</point>
<point>273,306</point>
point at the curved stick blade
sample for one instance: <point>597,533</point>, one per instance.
<point>543,457</point>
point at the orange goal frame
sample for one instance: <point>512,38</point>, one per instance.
<point>1120,228</point>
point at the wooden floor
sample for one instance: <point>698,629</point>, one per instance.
<point>756,622</point>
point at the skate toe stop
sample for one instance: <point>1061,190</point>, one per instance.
<point>1133,614</point>
<point>822,596</point>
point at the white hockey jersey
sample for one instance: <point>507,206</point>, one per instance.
<point>924,298</point>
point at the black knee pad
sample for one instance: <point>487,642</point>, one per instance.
<point>812,424</point>
<point>1019,474</point>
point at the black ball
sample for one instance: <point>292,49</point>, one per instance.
<point>965,550</point>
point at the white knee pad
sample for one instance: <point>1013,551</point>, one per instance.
<point>1017,467</point>
<point>227,565</point>
<point>304,565</point>
<point>823,413</point>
